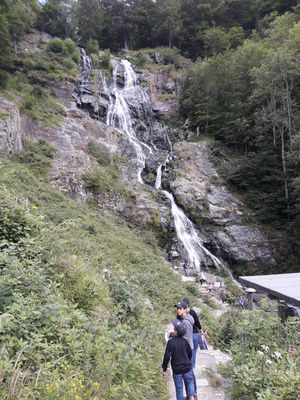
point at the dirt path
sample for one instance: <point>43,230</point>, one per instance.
<point>210,385</point>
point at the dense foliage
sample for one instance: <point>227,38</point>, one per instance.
<point>65,331</point>
<point>196,27</point>
<point>265,352</point>
<point>248,100</point>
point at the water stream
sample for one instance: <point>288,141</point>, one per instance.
<point>119,116</point>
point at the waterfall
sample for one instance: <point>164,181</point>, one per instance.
<point>119,117</point>
<point>185,229</point>
<point>190,239</point>
<point>86,68</point>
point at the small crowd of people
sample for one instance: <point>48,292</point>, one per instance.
<point>181,349</point>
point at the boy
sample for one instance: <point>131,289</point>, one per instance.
<point>180,353</point>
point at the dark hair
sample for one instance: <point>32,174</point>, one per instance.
<point>180,329</point>
<point>187,301</point>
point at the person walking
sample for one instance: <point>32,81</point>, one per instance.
<point>202,278</point>
<point>179,352</point>
<point>241,302</point>
<point>182,311</point>
<point>185,268</point>
<point>186,319</point>
<point>223,296</point>
<point>196,330</point>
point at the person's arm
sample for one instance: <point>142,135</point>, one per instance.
<point>189,350</point>
<point>167,357</point>
<point>196,320</point>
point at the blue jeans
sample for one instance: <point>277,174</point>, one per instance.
<point>196,339</point>
<point>188,379</point>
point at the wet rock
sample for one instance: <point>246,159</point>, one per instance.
<point>10,131</point>
<point>223,218</point>
<point>164,87</point>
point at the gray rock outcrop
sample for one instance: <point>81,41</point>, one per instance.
<point>229,227</point>
<point>10,133</point>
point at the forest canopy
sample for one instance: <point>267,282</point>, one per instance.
<point>248,100</point>
<point>198,28</point>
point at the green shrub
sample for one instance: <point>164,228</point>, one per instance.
<point>141,59</point>
<point>4,79</point>
<point>68,335</point>
<point>38,156</point>
<point>105,58</point>
<point>3,113</point>
<point>101,181</point>
<point>101,156</point>
<point>69,63</point>
<point>264,351</point>
<point>39,105</point>
<point>70,49</point>
<point>171,56</point>
<point>92,46</point>
<point>55,46</point>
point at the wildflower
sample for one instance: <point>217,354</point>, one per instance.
<point>277,355</point>
<point>265,348</point>
<point>268,361</point>
<point>260,353</point>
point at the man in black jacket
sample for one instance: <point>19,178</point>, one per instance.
<point>180,353</point>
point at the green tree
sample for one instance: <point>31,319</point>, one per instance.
<point>21,17</point>
<point>91,19</point>
<point>216,40</point>
<point>168,23</point>
<point>58,18</point>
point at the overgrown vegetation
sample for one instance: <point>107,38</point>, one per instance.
<point>154,59</point>
<point>66,331</point>
<point>104,177</point>
<point>32,87</point>
<point>265,354</point>
<point>38,156</point>
<point>248,100</point>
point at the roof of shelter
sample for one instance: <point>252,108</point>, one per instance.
<point>282,286</point>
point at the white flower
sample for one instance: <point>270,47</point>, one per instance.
<point>265,348</point>
<point>260,353</point>
<point>268,361</point>
<point>277,355</point>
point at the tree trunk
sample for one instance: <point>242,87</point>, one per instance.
<point>287,102</point>
<point>126,47</point>
<point>170,39</point>
<point>283,161</point>
<point>207,118</point>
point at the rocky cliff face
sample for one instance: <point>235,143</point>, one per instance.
<point>10,132</point>
<point>189,174</point>
<point>228,226</point>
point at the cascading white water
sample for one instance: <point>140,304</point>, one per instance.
<point>189,237</point>
<point>185,230</point>
<point>86,69</point>
<point>118,115</point>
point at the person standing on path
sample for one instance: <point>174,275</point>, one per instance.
<point>241,302</point>
<point>188,321</point>
<point>185,268</point>
<point>179,352</point>
<point>196,330</point>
